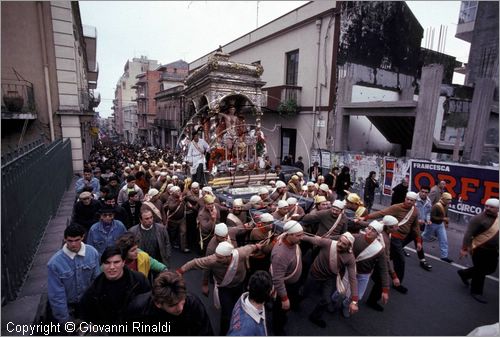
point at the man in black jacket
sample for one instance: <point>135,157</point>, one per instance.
<point>169,302</point>
<point>106,300</point>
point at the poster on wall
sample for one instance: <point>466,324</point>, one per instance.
<point>389,165</point>
<point>469,185</point>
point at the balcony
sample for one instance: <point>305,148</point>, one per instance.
<point>95,99</point>
<point>273,96</point>
<point>167,124</point>
<point>18,100</point>
<point>466,20</point>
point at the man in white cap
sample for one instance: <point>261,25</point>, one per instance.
<point>311,189</point>
<point>330,222</point>
<point>237,215</point>
<point>408,230</point>
<point>191,198</point>
<point>264,195</point>
<point>295,211</point>
<point>390,225</point>
<point>228,266</point>
<point>286,269</point>
<point>481,242</point>
<point>281,212</point>
<point>280,193</point>
<point>294,184</point>
<point>196,157</point>
<point>208,216</point>
<point>370,255</point>
<point>334,258</point>
<point>152,202</point>
<point>263,233</point>
<point>325,191</point>
<point>175,209</point>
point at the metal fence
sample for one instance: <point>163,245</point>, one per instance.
<point>33,183</point>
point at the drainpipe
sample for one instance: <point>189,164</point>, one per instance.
<point>318,26</point>
<point>46,70</point>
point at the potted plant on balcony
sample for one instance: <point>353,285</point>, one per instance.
<point>13,101</point>
<point>288,108</point>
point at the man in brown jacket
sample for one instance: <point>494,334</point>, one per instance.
<point>175,210</point>
<point>262,233</point>
<point>286,269</point>
<point>229,271</point>
<point>481,241</point>
<point>208,216</point>
<point>327,265</point>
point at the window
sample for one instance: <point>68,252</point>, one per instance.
<point>292,67</point>
<point>124,85</point>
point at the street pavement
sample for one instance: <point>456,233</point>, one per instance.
<point>437,302</point>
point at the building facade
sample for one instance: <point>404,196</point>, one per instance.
<point>49,73</point>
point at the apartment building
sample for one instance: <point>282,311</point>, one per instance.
<point>49,74</point>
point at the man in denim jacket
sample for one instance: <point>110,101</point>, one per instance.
<point>104,233</point>
<point>70,272</point>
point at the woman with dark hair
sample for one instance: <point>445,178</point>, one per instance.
<point>370,185</point>
<point>136,259</point>
<point>343,183</point>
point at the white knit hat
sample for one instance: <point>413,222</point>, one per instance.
<point>163,174</point>
<point>349,237</point>
<point>152,192</point>
<point>492,202</point>
<point>292,227</point>
<point>224,248</point>
<point>195,185</point>
<point>309,183</point>
<point>207,189</point>
<point>221,229</point>
<point>238,202</point>
<point>324,187</point>
<point>255,199</point>
<point>300,174</point>
<point>412,195</point>
<point>378,226</point>
<point>291,201</point>
<point>174,189</point>
<point>266,217</point>
<point>282,203</point>
<point>339,204</point>
<point>304,188</point>
<point>389,221</point>
<point>279,184</point>
<point>175,177</point>
<point>263,190</point>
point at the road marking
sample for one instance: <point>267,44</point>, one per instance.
<point>453,263</point>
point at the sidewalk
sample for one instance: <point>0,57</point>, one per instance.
<point>31,302</point>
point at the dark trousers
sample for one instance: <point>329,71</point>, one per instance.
<point>192,233</point>
<point>228,298</point>
<point>199,176</point>
<point>279,315</point>
<point>411,237</point>
<point>398,257</point>
<point>376,291</point>
<point>484,262</point>
<point>327,289</point>
<point>177,233</point>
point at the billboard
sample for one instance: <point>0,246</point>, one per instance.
<point>469,185</point>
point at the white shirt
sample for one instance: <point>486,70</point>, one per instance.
<point>71,254</point>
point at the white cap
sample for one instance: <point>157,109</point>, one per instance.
<point>144,163</point>
<point>255,199</point>
<point>492,202</point>
<point>174,189</point>
<point>263,190</point>
<point>349,237</point>
<point>324,187</point>
<point>378,226</point>
<point>389,220</point>
<point>272,182</point>
<point>309,183</point>
<point>195,185</point>
<point>163,174</point>
<point>412,195</point>
<point>221,229</point>
<point>339,204</point>
<point>169,187</point>
<point>300,174</point>
<point>304,188</point>
<point>282,203</point>
<point>175,177</point>
<point>152,192</point>
<point>291,201</point>
<point>292,227</point>
<point>157,173</point>
<point>238,202</point>
<point>207,189</point>
<point>279,184</point>
<point>224,248</point>
<point>266,217</point>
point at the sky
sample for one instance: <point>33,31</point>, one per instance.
<point>167,31</point>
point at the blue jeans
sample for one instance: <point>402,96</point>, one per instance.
<point>362,285</point>
<point>440,231</point>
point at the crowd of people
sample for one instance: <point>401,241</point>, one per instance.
<point>133,209</point>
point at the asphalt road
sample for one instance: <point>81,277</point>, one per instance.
<point>437,303</point>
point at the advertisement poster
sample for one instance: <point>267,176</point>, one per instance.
<point>469,185</point>
<point>389,165</point>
